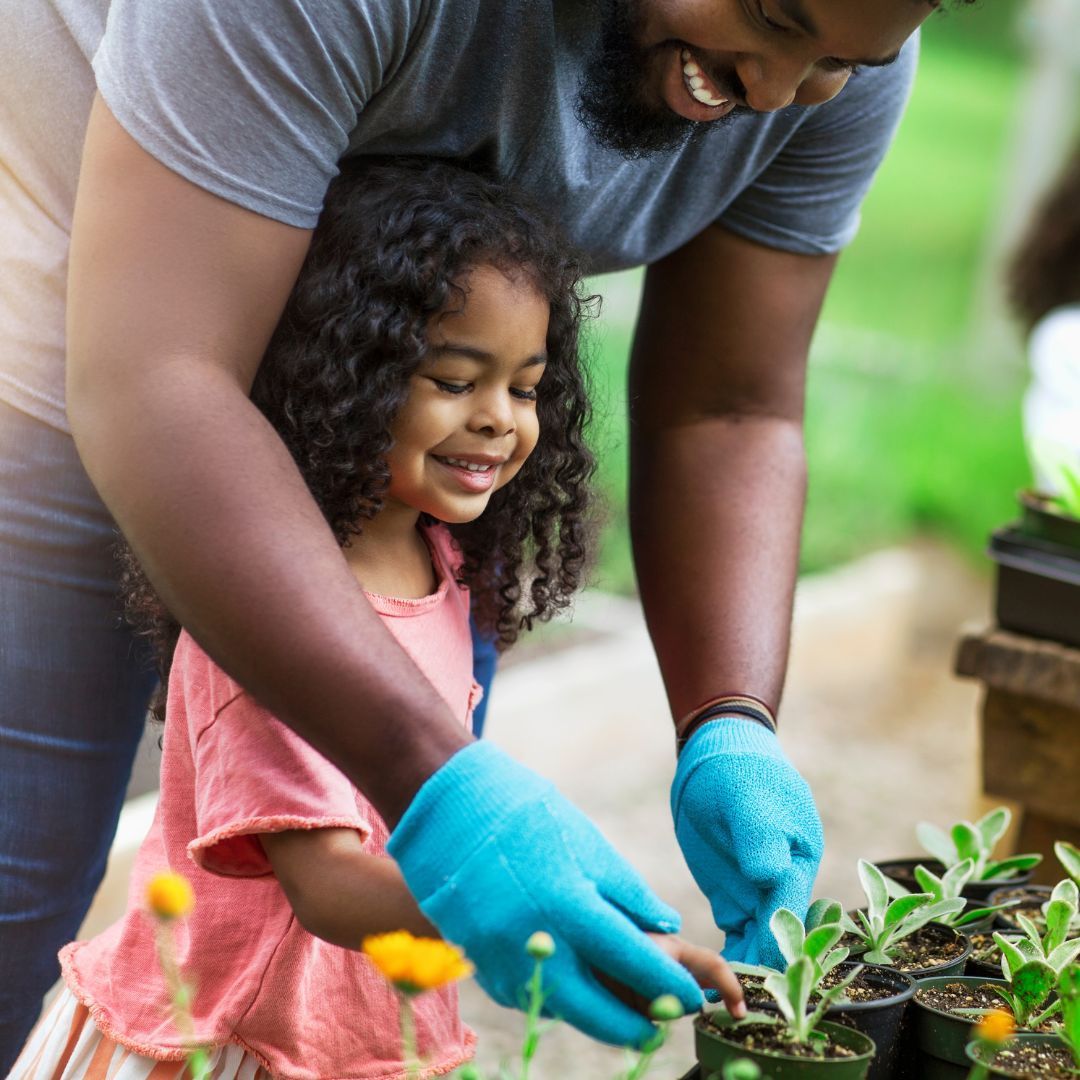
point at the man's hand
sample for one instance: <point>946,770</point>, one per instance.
<point>749,830</point>
<point>493,853</point>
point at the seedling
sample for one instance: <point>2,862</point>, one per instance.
<point>885,923</point>
<point>949,886</point>
<point>1069,857</point>
<point>1068,991</point>
<point>1054,948</point>
<point>975,842</point>
<point>811,953</point>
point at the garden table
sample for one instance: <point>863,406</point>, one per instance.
<point>1030,734</point>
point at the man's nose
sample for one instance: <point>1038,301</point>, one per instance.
<point>770,84</point>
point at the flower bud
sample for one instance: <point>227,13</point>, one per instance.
<point>541,946</point>
<point>666,1007</point>
<point>169,895</point>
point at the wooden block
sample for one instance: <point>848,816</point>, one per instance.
<point>1021,665</point>
<point>1031,753</point>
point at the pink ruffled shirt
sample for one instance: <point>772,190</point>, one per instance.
<point>308,1010</point>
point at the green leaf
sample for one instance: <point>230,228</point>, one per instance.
<point>992,826</point>
<point>1067,891</point>
<point>968,841</point>
<point>1015,864</point>
<point>822,912</point>
<point>895,889</point>
<point>849,926</point>
<point>820,941</point>
<point>956,877</point>
<point>1031,930</point>
<point>1012,959</point>
<point>1032,984</point>
<point>930,883</point>
<point>901,909</point>
<point>1064,954</point>
<point>873,883</point>
<point>877,956</point>
<point>1069,857</point>
<point>1068,986</point>
<point>760,970</point>
<point>835,958</point>
<point>936,842</point>
<point>1059,913</point>
<point>921,916</point>
<point>788,930</point>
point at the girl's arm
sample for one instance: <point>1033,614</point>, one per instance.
<point>340,892</point>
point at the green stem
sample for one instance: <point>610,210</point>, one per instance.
<point>532,1019</point>
<point>649,1051</point>
<point>408,1037</point>
<point>180,999</point>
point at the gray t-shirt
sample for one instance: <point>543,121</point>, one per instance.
<point>257,101</point>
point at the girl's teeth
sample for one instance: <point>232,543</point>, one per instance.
<point>471,466</point>
<point>690,69</point>
<point>695,82</point>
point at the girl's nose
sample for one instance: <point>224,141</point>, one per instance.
<point>492,414</point>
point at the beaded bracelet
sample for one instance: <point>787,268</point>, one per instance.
<point>728,705</point>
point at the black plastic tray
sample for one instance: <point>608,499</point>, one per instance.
<point>1038,586</point>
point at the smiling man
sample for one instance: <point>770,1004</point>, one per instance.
<point>725,143</point>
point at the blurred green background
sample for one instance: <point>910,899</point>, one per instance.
<point>908,431</point>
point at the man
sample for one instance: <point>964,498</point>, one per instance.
<point>715,140</point>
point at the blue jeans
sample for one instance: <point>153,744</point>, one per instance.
<point>74,684</point>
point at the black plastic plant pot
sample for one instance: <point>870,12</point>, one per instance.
<point>996,1060</point>
<point>953,967</point>
<point>1039,519</point>
<point>880,1020</point>
<point>714,1051</point>
<point>939,1039</point>
<point>1038,586</point>
<point>1031,896</point>
<point>903,871</point>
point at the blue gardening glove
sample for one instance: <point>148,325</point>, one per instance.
<point>749,830</point>
<point>492,853</point>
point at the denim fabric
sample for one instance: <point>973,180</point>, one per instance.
<point>485,659</point>
<point>73,693</point>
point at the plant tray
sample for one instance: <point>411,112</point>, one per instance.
<point>1038,586</point>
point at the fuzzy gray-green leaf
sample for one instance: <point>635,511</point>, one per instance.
<point>873,883</point>
<point>788,930</point>
<point>992,826</point>
<point>936,842</point>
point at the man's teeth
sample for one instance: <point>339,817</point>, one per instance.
<point>696,84</point>
<point>470,465</point>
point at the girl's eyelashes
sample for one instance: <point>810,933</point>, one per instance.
<point>830,63</point>
<point>770,23</point>
<point>523,393</point>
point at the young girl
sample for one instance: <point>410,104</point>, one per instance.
<point>425,378</point>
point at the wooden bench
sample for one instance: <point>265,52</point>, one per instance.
<point>1030,734</point>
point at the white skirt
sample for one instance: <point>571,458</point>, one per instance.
<point>66,1045</point>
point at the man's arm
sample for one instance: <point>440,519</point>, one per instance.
<point>717,461</point>
<point>717,491</point>
<point>173,296</point>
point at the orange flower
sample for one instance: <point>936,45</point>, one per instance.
<point>995,1027</point>
<point>169,895</point>
<point>414,964</point>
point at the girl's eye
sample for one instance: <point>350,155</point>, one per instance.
<point>525,395</point>
<point>451,388</point>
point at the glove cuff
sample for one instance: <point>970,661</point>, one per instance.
<point>731,735</point>
<point>456,809</point>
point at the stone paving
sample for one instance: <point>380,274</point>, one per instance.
<point>872,717</point>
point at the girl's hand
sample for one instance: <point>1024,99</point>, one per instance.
<point>707,966</point>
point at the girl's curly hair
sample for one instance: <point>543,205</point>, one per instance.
<point>394,246</point>
<point>1045,270</point>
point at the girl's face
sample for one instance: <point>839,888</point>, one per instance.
<point>469,421</point>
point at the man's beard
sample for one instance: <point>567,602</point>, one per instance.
<point>611,102</point>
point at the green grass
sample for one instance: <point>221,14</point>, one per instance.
<point>924,441</point>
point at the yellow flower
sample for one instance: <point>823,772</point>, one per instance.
<point>995,1027</point>
<point>169,895</point>
<point>414,964</point>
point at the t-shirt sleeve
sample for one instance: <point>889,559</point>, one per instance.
<point>254,775</point>
<point>252,100</point>
<point>807,198</point>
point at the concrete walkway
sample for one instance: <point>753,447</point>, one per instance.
<point>872,717</point>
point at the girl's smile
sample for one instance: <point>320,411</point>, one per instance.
<point>469,421</point>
